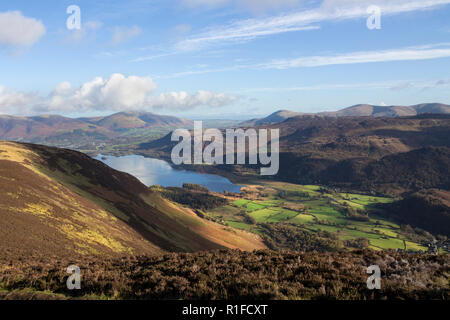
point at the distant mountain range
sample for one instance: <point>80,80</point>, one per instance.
<point>360,110</point>
<point>25,128</point>
<point>88,133</point>
<point>93,134</point>
<point>275,117</point>
<point>367,110</point>
<point>136,120</point>
<point>34,129</point>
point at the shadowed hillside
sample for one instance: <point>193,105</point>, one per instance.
<point>427,209</point>
<point>380,154</point>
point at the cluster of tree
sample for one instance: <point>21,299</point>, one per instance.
<point>193,196</point>
<point>233,274</point>
<point>426,210</point>
<point>248,219</point>
<point>359,243</point>
<point>195,187</point>
<point>355,214</point>
<point>412,171</point>
<point>291,237</point>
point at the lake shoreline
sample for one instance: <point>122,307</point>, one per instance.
<point>156,171</point>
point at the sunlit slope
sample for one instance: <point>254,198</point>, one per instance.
<point>216,233</point>
<point>40,215</point>
<point>63,203</point>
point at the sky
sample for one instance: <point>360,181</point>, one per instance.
<point>230,59</point>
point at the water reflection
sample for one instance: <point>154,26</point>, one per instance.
<point>154,171</point>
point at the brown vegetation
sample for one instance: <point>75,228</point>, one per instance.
<point>235,275</point>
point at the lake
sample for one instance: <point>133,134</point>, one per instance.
<point>154,171</point>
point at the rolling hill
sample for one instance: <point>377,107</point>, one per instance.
<point>366,110</point>
<point>61,203</point>
<point>360,110</point>
<point>88,133</point>
<point>367,153</point>
<point>35,128</point>
<point>137,120</point>
<point>275,117</point>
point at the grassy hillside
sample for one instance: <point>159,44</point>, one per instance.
<point>310,217</point>
<point>62,203</point>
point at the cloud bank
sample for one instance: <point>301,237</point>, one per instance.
<point>435,51</point>
<point>116,93</point>
<point>88,31</point>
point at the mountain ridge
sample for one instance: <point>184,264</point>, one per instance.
<point>20,128</point>
<point>359,110</point>
<point>350,152</point>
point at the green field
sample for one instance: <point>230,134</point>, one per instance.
<point>318,209</point>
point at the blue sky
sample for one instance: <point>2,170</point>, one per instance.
<point>227,58</point>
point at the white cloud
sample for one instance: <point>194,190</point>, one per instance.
<point>326,87</point>
<point>330,10</point>
<point>17,30</point>
<point>406,54</point>
<point>182,28</point>
<point>402,86</point>
<point>124,34</point>
<point>424,85</point>
<point>425,52</point>
<point>88,31</point>
<point>184,101</point>
<point>13,100</point>
<point>442,82</point>
<point>116,93</point>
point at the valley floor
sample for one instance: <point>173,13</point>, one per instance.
<point>350,220</point>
